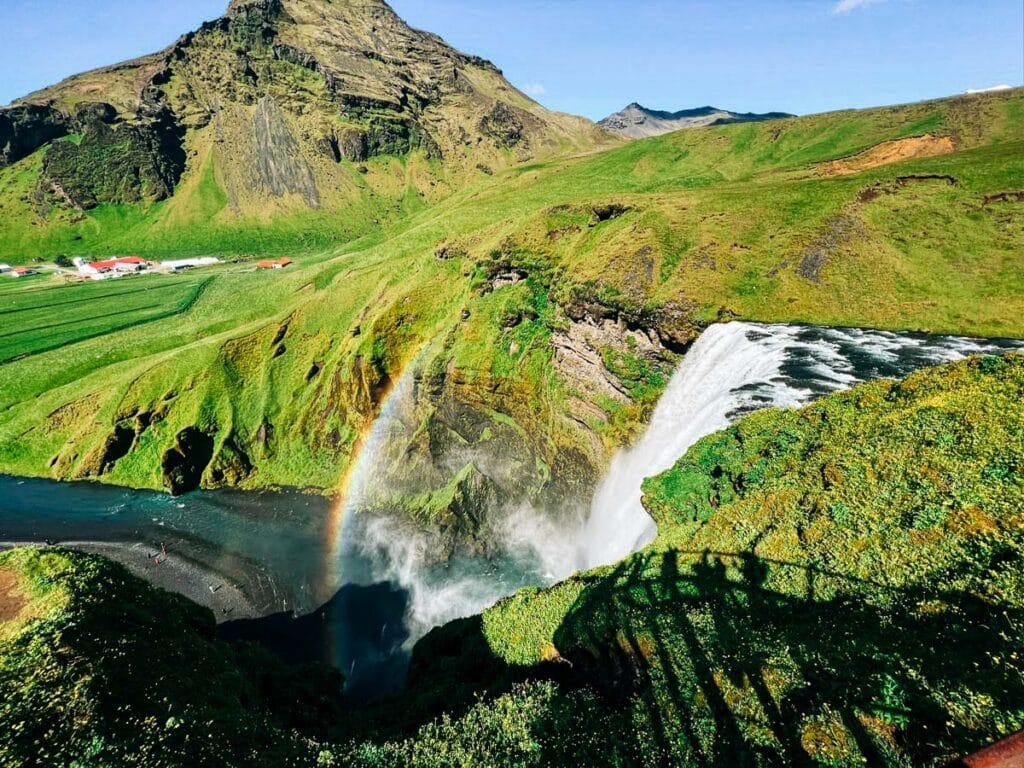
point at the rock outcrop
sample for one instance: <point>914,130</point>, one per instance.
<point>282,167</point>
<point>122,163</point>
<point>27,127</point>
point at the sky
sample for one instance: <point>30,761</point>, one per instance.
<point>592,57</point>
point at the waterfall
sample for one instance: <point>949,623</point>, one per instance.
<point>733,370</point>
<point>730,371</point>
<point>696,403</point>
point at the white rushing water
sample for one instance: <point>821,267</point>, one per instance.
<point>730,371</point>
<point>377,548</point>
<point>733,370</point>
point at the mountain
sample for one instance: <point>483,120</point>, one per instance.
<point>638,122</point>
<point>279,109</point>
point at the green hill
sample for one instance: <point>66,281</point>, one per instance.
<point>99,669</point>
<point>283,125</point>
<point>832,586</point>
<point>541,307</point>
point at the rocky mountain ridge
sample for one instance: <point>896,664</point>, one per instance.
<point>277,96</point>
<point>639,122</point>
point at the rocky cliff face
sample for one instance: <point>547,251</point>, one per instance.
<point>275,95</point>
<point>638,122</point>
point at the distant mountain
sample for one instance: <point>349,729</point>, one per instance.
<point>638,122</point>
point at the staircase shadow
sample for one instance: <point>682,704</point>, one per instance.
<point>360,630</point>
<point>707,659</point>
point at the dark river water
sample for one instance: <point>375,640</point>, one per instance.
<point>262,561</point>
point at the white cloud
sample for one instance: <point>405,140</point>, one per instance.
<point>535,89</point>
<point>845,6</point>
<point>987,90</point>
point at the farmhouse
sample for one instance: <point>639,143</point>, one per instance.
<point>275,264</point>
<point>23,272</point>
<point>99,270</point>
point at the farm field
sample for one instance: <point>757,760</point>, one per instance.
<point>744,221</point>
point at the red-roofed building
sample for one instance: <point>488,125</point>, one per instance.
<point>22,272</point>
<point>124,265</point>
<point>275,264</point>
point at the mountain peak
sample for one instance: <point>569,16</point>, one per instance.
<point>637,121</point>
<point>277,96</point>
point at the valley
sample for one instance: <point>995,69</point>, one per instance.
<point>679,439</point>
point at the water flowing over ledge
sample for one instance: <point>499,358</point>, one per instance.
<point>733,370</point>
<point>384,590</point>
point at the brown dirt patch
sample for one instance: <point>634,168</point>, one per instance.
<point>11,600</point>
<point>891,152</point>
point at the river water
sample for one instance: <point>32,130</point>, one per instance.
<point>272,569</point>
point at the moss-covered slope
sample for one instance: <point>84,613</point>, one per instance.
<point>99,669</point>
<point>835,586</point>
<point>333,114</point>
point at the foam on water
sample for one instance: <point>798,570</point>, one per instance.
<point>731,371</point>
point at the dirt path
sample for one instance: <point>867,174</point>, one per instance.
<point>11,601</point>
<point>891,152</point>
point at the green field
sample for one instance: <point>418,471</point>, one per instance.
<point>671,233</point>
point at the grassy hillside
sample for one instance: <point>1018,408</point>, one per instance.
<point>99,669</point>
<point>283,125</point>
<point>497,293</point>
<point>835,586</point>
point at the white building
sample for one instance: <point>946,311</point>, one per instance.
<point>180,264</point>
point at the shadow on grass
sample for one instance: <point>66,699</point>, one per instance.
<point>361,631</point>
<point>697,660</point>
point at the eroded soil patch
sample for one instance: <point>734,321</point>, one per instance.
<point>891,152</point>
<point>11,600</point>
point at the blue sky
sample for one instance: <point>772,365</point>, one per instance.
<point>592,57</point>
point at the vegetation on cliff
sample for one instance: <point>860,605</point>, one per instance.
<point>830,586</point>
<point>99,669</point>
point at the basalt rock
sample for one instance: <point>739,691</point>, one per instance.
<point>124,163</point>
<point>90,112</point>
<point>184,464</point>
<point>384,137</point>
<point>505,125</point>
<point>282,168</point>
<point>27,127</point>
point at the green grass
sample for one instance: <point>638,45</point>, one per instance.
<point>715,221</point>
<point>831,586</point>
<point>103,670</point>
<point>837,585</point>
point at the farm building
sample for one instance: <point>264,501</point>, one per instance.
<point>182,264</point>
<point>111,267</point>
<point>4,269</point>
<point>23,272</point>
<point>275,264</point>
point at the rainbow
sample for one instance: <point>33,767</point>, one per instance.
<point>353,482</point>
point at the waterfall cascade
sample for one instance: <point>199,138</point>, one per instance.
<point>736,369</point>
<point>730,371</point>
